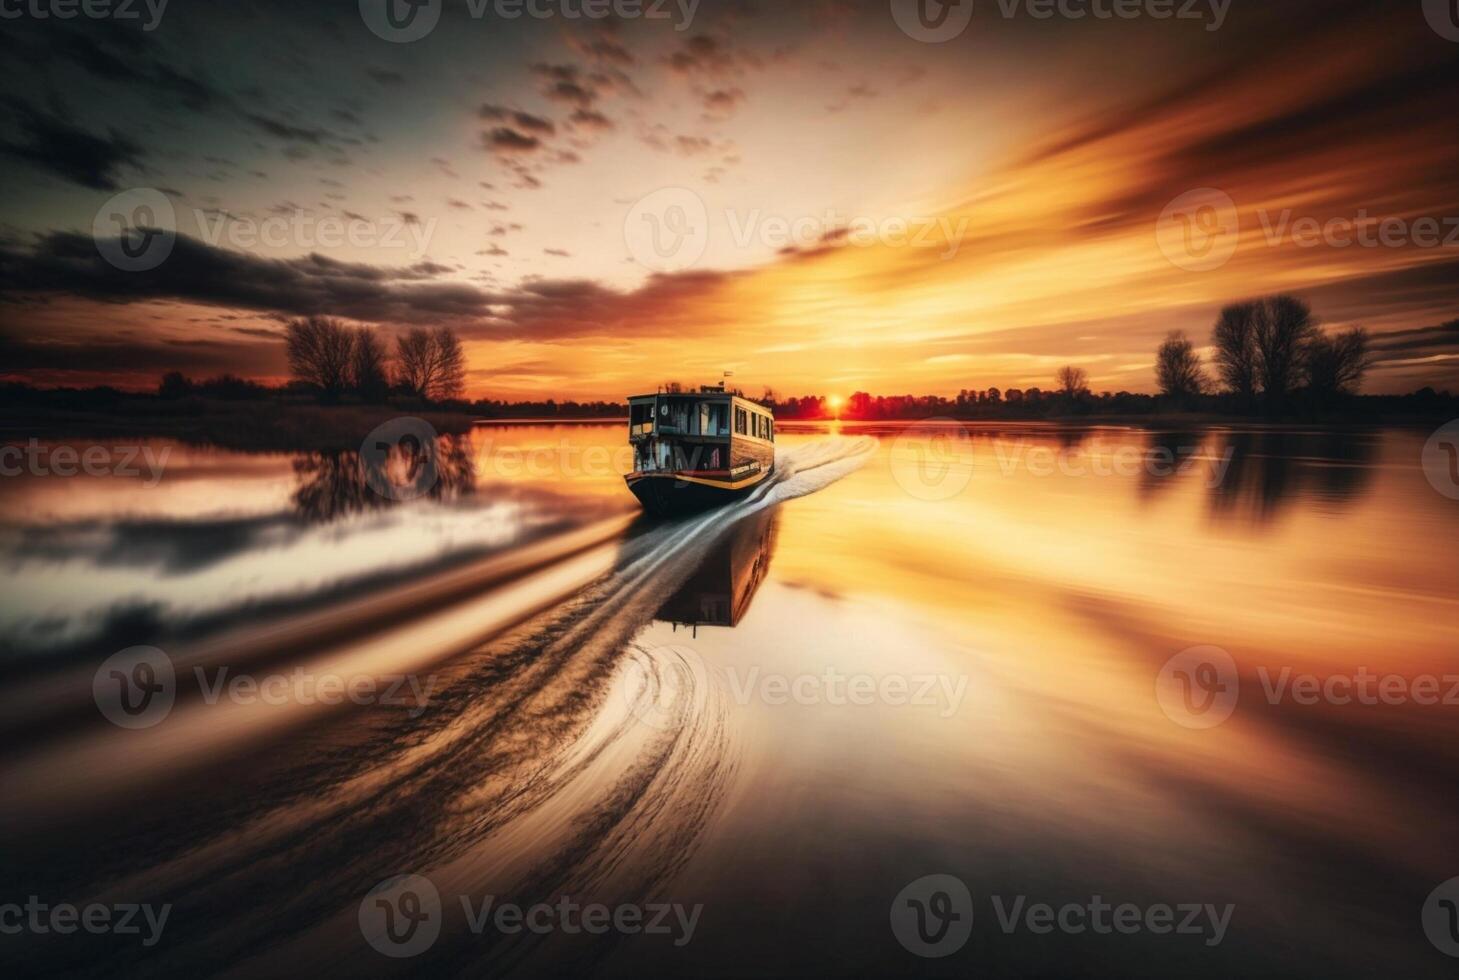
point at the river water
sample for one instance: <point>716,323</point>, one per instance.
<point>927,650</point>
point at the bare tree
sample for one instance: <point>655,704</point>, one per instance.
<point>1237,360</point>
<point>414,360</point>
<point>1178,368</point>
<point>368,366</point>
<point>1073,381</point>
<point>1284,329</point>
<point>431,364</point>
<point>319,350</point>
<point>1335,364</point>
<point>450,375</point>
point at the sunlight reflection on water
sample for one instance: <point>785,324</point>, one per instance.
<point>1041,597</point>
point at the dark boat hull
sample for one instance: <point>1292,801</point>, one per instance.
<point>667,494</point>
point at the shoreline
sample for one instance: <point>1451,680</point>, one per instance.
<point>306,427</point>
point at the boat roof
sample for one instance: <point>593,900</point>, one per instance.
<point>705,393</point>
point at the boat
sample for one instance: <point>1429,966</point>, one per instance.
<point>693,450</point>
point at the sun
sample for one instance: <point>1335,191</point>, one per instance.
<point>835,402</point>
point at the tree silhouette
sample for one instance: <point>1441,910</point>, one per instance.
<point>1336,364</point>
<point>1073,381</point>
<point>1284,329</point>
<point>1237,361</point>
<point>431,363</point>
<point>319,350</point>
<point>1178,369</point>
<point>368,366</point>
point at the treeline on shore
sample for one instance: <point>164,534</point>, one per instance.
<point>1270,359</point>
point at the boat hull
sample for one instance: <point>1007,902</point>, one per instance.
<point>667,494</point>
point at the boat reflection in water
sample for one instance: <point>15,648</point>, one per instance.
<point>720,591</point>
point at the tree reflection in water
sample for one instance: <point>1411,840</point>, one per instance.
<point>338,484</point>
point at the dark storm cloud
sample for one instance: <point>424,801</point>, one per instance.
<point>51,144</point>
<point>68,263</point>
<point>132,60</point>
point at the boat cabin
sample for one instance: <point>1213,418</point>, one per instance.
<point>711,433</point>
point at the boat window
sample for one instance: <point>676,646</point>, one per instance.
<point>741,422</point>
<point>640,413</point>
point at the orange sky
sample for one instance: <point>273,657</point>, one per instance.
<point>866,211</point>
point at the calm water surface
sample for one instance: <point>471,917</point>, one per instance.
<point>923,651</point>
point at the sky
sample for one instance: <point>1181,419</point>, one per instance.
<point>819,196</point>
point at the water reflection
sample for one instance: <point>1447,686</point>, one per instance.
<point>523,778</point>
<point>338,484</point>
<point>719,593</point>
<point>1267,470</point>
<point>1058,590</point>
